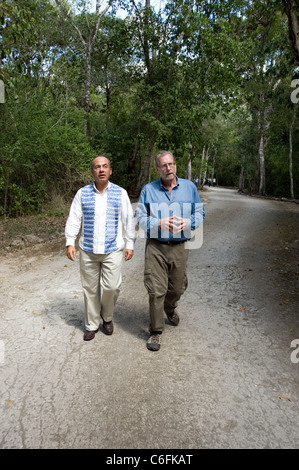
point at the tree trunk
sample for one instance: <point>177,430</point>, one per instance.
<point>262,186</point>
<point>87,90</point>
<point>291,152</point>
<point>292,14</point>
<point>257,170</point>
<point>189,163</point>
<point>189,168</point>
<point>206,165</point>
<point>213,168</point>
<point>242,173</point>
<point>145,170</point>
<point>87,44</point>
<point>263,125</point>
<point>149,61</point>
<point>133,158</point>
<point>201,168</point>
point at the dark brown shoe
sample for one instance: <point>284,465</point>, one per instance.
<point>108,327</point>
<point>88,335</point>
<point>173,318</point>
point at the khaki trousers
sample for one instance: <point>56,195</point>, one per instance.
<point>165,279</point>
<point>101,280</point>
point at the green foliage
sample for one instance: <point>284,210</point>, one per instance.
<point>210,78</point>
<point>42,153</point>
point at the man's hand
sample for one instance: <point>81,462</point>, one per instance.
<point>128,254</point>
<point>71,252</point>
<point>173,224</point>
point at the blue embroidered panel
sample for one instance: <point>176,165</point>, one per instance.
<point>88,197</point>
<point>112,216</point>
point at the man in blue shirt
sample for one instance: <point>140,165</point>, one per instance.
<point>168,210</point>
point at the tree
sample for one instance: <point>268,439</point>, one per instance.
<point>291,8</point>
<point>198,78</point>
<point>264,66</point>
<point>87,38</point>
<point>42,151</point>
<point>157,49</point>
<point>291,130</point>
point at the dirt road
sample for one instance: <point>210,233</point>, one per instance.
<point>226,377</point>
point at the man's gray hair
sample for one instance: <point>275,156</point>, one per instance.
<point>162,153</point>
<point>91,165</point>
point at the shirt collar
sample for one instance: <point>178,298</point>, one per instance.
<point>163,187</point>
<point>96,189</point>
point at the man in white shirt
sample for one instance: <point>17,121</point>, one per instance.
<point>103,209</point>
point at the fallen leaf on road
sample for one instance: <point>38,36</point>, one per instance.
<point>281,397</point>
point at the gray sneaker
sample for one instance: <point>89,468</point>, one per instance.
<point>173,318</point>
<point>154,341</point>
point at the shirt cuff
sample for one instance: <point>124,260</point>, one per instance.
<point>70,242</point>
<point>130,245</point>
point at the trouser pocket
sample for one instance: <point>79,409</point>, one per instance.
<point>148,281</point>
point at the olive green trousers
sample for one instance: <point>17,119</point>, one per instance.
<point>165,278</point>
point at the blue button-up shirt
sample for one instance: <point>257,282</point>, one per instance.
<point>156,202</point>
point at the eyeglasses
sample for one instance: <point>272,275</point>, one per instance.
<point>166,165</point>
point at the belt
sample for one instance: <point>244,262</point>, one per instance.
<point>169,242</point>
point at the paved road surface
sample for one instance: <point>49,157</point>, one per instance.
<point>226,378</point>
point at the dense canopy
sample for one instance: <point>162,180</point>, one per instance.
<point>213,81</point>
